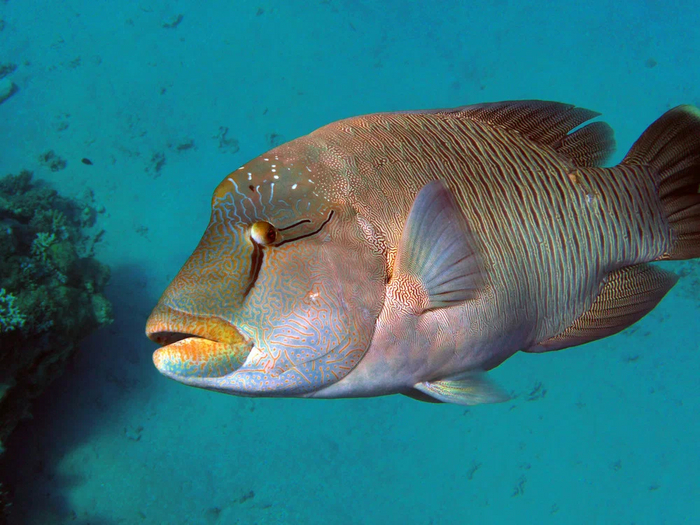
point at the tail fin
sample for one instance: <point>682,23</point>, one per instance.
<point>671,147</point>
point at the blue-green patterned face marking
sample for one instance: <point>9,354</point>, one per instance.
<point>284,263</point>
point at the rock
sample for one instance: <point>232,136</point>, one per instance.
<point>7,89</point>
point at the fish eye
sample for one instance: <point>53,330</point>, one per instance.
<point>263,233</point>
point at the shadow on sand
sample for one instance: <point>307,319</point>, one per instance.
<point>112,370</point>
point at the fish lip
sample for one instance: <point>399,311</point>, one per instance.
<point>167,325</point>
<point>194,360</point>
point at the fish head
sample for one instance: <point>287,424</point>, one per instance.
<point>281,296</point>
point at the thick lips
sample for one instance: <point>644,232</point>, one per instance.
<point>195,346</point>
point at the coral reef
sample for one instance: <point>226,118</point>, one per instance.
<point>10,316</point>
<point>50,290</point>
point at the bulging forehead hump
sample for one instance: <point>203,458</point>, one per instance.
<point>281,187</point>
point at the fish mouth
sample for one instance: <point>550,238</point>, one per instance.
<point>195,345</point>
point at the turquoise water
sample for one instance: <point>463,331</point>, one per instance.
<point>166,98</point>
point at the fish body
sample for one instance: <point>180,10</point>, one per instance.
<point>412,252</point>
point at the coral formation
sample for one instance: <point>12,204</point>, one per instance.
<point>10,316</point>
<point>50,290</point>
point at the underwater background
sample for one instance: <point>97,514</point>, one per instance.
<point>165,99</point>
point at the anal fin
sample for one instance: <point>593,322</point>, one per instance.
<point>627,295</point>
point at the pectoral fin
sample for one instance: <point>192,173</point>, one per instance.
<point>473,388</point>
<point>438,249</point>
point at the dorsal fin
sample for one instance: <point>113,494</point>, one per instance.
<point>548,124</point>
<point>591,145</point>
<point>627,295</point>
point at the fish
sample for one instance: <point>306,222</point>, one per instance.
<point>412,252</point>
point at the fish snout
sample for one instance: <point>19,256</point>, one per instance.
<point>195,346</point>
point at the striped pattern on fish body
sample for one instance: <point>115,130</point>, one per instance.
<point>410,252</point>
<point>544,224</point>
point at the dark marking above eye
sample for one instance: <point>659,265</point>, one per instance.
<point>299,223</point>
<point>251,188</point>
<point>330,216</point>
